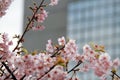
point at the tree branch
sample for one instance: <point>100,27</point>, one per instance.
<point>28,26</point>
<point>79,62</point>
<point>114,73</point>
<point>57,50</point>
<point>22,77</point>
<point>46,72</point>
<point>11,73</point>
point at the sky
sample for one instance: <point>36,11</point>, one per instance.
<point>12,22</point>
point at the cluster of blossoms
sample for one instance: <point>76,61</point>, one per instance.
<point>52,63</point>
<point>4,47</point>
<point>40,16</point>
<point>54,2</point>
<point>97,59</point>
<point>4,4</point>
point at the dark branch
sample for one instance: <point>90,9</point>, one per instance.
<point>11,73</point>
<point>46,72</point>
<point>23,77</point>
<point>79,62</point>
<point>58,49</point>
<point>114,73</point>
<point>26,29</point>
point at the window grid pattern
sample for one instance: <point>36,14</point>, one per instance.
<point>97,21</point>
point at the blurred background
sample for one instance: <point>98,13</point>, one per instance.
<point>85,21</point>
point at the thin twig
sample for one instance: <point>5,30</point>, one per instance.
<point>46,72</point>
<point>2,71</point>
<point>28,26</point>
<point>11,73</point>
<point>116,74</point>
<point>23,77</point>
<point>58,49</point>
<point>112,76</point>
<point>79,62</point>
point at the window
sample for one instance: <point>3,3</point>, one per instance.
<point>96,21</point>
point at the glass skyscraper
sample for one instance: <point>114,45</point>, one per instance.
<point>95,21</point>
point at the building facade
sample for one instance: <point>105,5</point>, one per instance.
<point>95,21</point>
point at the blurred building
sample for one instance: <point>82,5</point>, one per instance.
<point>95,21</point>
<point>86,21</point>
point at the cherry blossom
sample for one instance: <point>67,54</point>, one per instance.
<point>86,48</point>
<point>5,52</point>
<point>116,63</point>
<point>36,66</point>
<point>61,41</point>
<point>4,4</point>
<point>70,49</point>
<point>40,17</point>
<point>39,27</point>
<point>49,46</point>
<point>104,57</point>
<point>53,2</point>
<point>57,74</point>
<point>53,62</point>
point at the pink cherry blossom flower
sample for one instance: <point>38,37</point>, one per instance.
<point>58,73</point>
<point>77,57</point>
<point>102,66</point>
<point>39,27</point>
<point>116,63</point>
<point>49,46</point>
<point>10,43</point>
<point>5,37</point>
<point>104,57</point>
<point>85,68</point>
<point>53,2</point>
<point>70,49</point>
<point>41,16</point>
<point>99,71</point>
<point>5,52</point>
<point>86,48</point>
<point>61,41</point>
<point>4,4</point>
